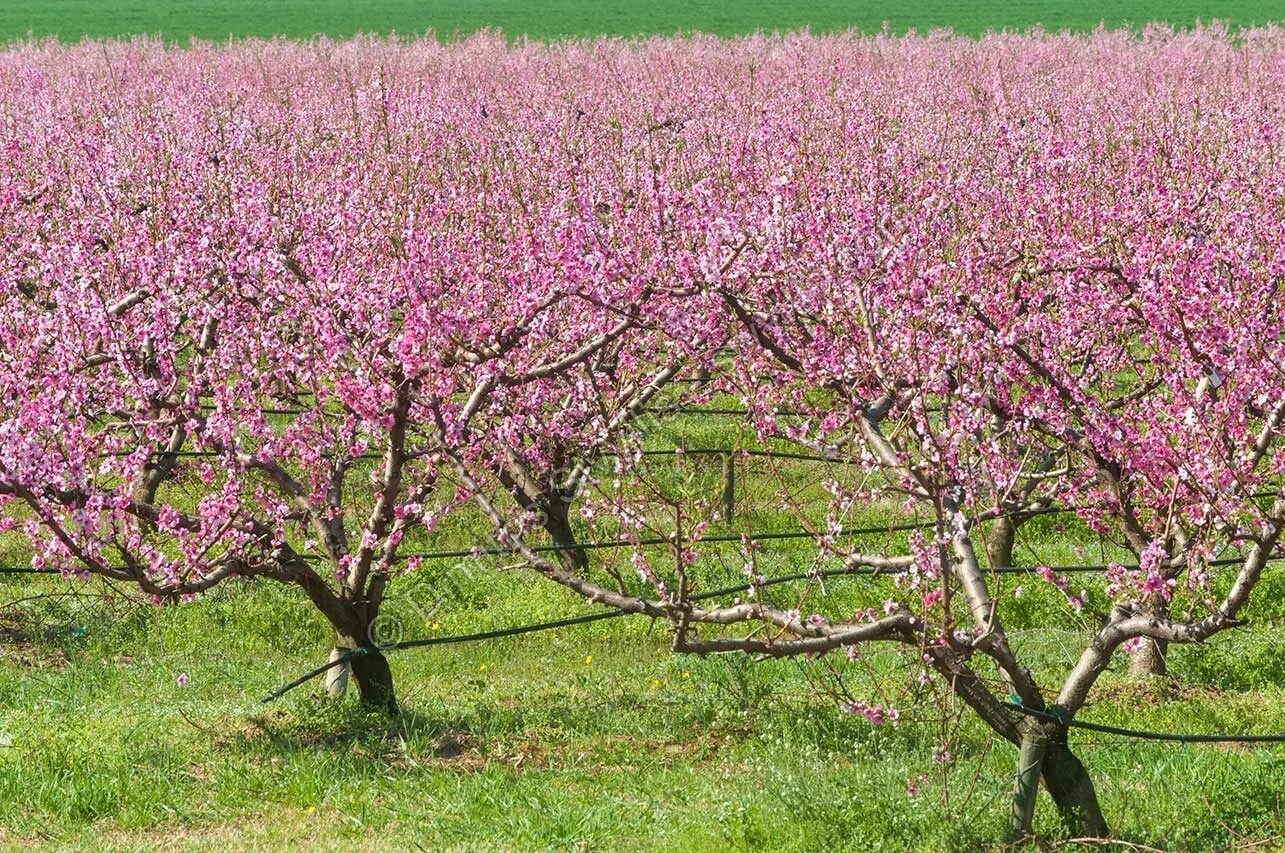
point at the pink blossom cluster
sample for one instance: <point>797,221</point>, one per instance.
<point>270,309</point>
<point>876,715</point>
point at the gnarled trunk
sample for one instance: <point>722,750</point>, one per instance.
<point>368,665</point>
<point>1149,661</point>
<point>353,621</point>
<point>999,546</point>
<point>1030,761</point>
<point>1069,784</point>
<point>1044,754</point>
<point>374,680</point>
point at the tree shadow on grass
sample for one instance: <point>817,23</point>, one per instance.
<point>411,738</point>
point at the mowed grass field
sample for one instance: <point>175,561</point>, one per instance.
<point>592,737</point>
<point>548,19</point>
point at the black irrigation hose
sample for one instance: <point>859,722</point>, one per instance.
<point>1142,735</point>
<point>760,537</point>
<point>733,451</point>
<point>649,410</point>
<point>518,630</point>
<point>361,651</point>
<point>515,631</point>
<point>620,543</point>
<point>660,540</point>
<point>731,590</point>
<point>609,454</point>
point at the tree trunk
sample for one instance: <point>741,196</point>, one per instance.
<point>999,547</point>
<point>1149,660</point>
<point>353,621</point>
<point>1029,762</point>
<point>729,488</point>
<point>1069,784</point>
<point>1045,754</point>
<point>374,680</point>
<point>558,524</point>
<point>337,676</point>
<point>368,665</point>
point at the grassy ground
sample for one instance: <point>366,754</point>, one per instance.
<point>589,737</point>
<point>593,737</point>
<point>217,19</point>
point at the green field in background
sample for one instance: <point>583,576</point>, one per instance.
<point>547,19</point>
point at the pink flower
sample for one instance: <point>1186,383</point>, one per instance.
<point>913,785</point>
<point>876,715</point>
<point>182,679</point>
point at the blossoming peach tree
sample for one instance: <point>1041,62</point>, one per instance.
<point>259,329</point>
<point>991,313</point>
<point>239,325</point>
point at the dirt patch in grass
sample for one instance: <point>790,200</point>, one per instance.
<point>1154,690</point>
<point>274,736</point>
<point>18,645</point>
<point>286,828</point>
<point>609,751</point>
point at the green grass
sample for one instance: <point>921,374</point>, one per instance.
<point>525,744</point>
<point>547,19</point>
<point>593,737</point>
